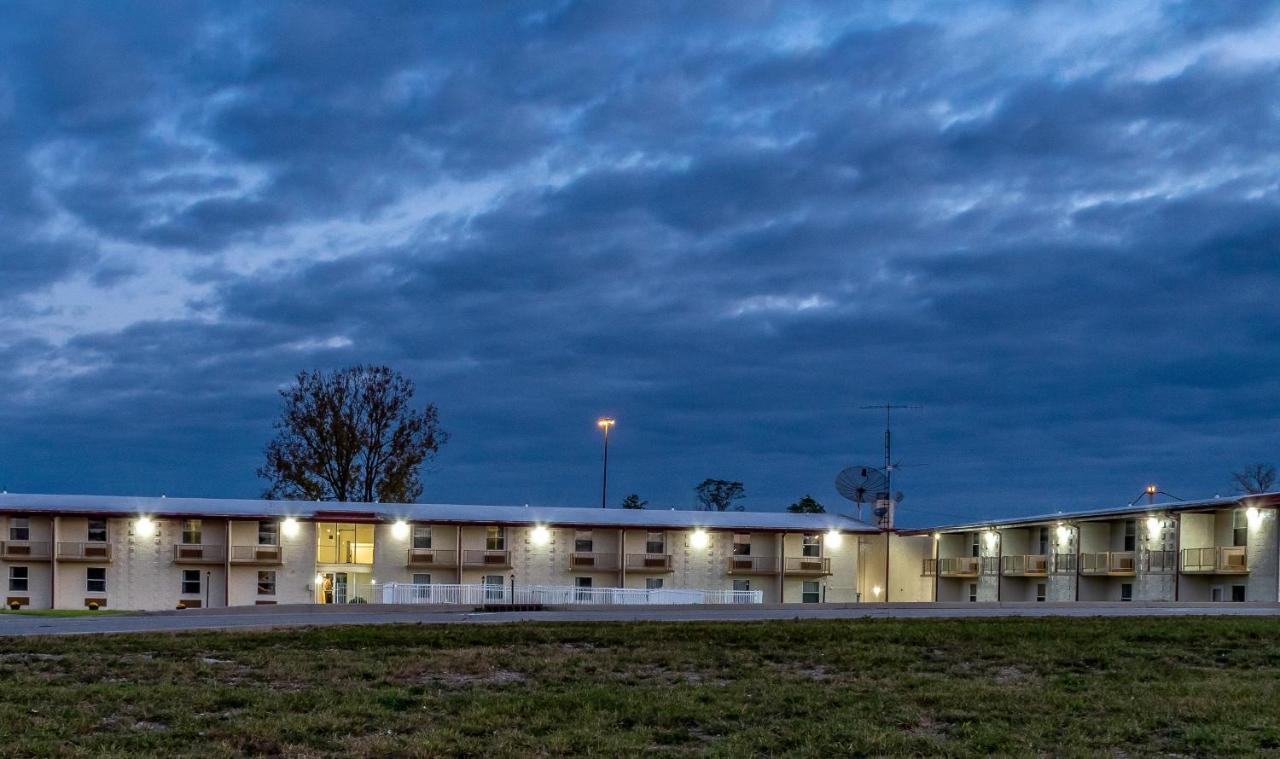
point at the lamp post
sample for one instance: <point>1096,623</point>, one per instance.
<point>605,423</point>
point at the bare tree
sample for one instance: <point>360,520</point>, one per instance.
<point>351,435</point>
<point>1254,478</point>
<point>719,495</point>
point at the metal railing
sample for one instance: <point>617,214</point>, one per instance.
<point>1064,563</point>
<point>1160,562</point>
<point>808,565</point>
<point>752,565</point>
<point>648,562</point>
<point>257,555</point>
<point>959,566</point>
<point>559,595</point>
<point>432,557</point>
<point>1108,563</point>
<point>1025,565</point>
<point>486,558</point>
<point>1216,560</point>
<point>24,550</point>
<point>190,553</point>
<point>88,551</point>
<point>590,560</point>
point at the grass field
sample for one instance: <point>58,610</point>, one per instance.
<point>1016,686</point>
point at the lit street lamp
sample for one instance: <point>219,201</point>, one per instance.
<point>604,424</point>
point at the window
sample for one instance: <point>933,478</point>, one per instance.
<point>421,579</point>
<point>1126,591</point>
<point>266,582</point>
<point>582,542</point>
<point>811,544</point>
<point>268,533</point>
<point>20,529</point>
<point>809,592</point>
<point>97,532</point>
<point>18,577</point>
<point>1239,528</point>
<point>973,592</point>
<point>653,583</point>
<point>191,532</point>
<point>1044,541</point>
<point>655,542</point>
<point>742,585</point>
<point>344,543</point>
<point>95,579</point>
<point>422,536</point>
<point>190,582</point>
<point>493,585</point>
<point>495,539</point>
<point>1237,593</point>
<point>582,588</point>
<point>1130,535</point>
<point>1041,591</point>
<point>741,545</point>
<point>975,544</point>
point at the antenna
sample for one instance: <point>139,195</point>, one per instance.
<point>886,519</point>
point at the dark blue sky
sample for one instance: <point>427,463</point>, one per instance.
<point>727,224</point>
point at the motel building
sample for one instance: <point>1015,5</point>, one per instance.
<point>69,552</point>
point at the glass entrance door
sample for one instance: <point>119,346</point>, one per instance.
<point>333,587</point>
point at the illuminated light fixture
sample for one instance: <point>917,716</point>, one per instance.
<point>1254,516</point>
<point>699,538</point>
<point>319,580</point>
<point>144,527</point>
<point>1153,527</point>
<point>1151,489</point>
<point>992,537</point>
<point>1064,533</point>
<point>400,530</point>
<point>937,536</point>
<point>541,535</point>
<point>605,423</point>
<point>833,539</point>
<point>876,591</point>
<point>290,527</point>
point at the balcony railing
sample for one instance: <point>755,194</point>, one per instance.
<point>1025,565</point>
<point>959,566</point>
<point>752,565</point>
<point>260,554</point>
<point>491,559</point>
<point>604,562</point>
<point>1064,563</point>
<point>1160,562</point>
<point>1113,563</point>
<point>555,595</point>
<point>648,562</point>
<point>24,550</point>
<point>190,553</point>
<point>98,552</point>
<point>1220,560</point>
<point>808,565</point>
<point>432,557</point>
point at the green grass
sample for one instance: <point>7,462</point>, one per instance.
<point>1075,687</point>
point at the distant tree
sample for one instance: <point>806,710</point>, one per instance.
<point>1254,478</point>
<point>807,505</point>
<point>351,435</point>
<point>719,495</point>
<point>633,502</point>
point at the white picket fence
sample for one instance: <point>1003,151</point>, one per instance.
<point>559,595</point>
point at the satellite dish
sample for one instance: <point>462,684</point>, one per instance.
<point>861,484</point>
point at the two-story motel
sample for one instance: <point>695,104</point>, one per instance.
<point>160,553</point>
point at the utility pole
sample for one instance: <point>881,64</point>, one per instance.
<point>889,408</point>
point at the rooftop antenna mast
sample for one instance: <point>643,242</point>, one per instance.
<point>889,466</point>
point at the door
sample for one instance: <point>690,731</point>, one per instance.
<point>333,588</point>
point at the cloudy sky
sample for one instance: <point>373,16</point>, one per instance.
<point>730,225</point>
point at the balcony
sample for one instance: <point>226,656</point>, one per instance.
<point>959,566</point>
<point>752,565</point>
<point>601,562</point>
<point>95,552</point>
<point>1215,560</point>
<point>1025,565</point>
<point>1160,562</point>
<point>1064,563</point>
<point>1109,563</point>
<point>23,550</point>
<point>487,559</point>
<point>648,562</point>
<point>813,566</point>
<point>431,557</point>
<point>259,555</point>
<point>191,553</point>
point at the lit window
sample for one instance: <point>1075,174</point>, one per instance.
<point>495,539</point>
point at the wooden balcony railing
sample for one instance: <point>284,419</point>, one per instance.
<point>1113,563</point>
<point>752,565</point>
<point>96,552</point>
<point>603,562</point>
<point>190,553</point>
<point>431,557</point>
<point>24,550</point>
<point>261,555</point>
<point>491,559</point>
<point>1221,560</point>
<point>808,565</point>
<point>648,562</point>
<point>1025,565</point>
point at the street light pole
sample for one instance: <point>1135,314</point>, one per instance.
<point>605,424</point>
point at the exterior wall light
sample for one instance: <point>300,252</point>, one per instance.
<point>400,530</point>
<point>1254,516</point>
<point>319,580</point>
<point>1153,528</point>
<point>833,539</point>
<point>876,591</point>
<point>992,537</point>
<point>699,539</point>
<point>290,527</point>
<point>1064,534</point>
<point>541,535</point>
<point>144,527</point>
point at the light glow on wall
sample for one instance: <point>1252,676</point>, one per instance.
<point>699,539</point>
<point>992,537</point>
<point>144,527</point>
<point>400,530</point>
<point>876,591</point>
<point>290,527</point>
<point>833,539</point>
<point>541,536</point>
<point>1064,533</point>
<point>1153,527</point>
<point>1254,516</point>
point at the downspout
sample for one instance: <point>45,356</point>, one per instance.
<point>1079,534</point>
<point>937,552</point>
<point>782,567</point>
<point>1177,555</point>
<point>1275,527</point>
<point>999,568</point>
<point>458,551</point>
<point>888,541</point>
<point>53,566</point>
<point>622,557</point>
<point>226,568</point>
